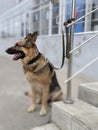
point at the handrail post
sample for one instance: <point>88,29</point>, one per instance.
<point>68,99</point>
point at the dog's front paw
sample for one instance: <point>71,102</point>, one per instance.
<point>42,112</point>
<point>31,108</point>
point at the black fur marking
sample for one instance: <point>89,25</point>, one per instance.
<point>51,68</point>
<point>54,83</point>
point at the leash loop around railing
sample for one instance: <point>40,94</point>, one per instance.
<point>68,45</point>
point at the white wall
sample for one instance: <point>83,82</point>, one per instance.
<point>52,48</point>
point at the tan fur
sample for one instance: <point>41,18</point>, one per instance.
<point>38,74</point>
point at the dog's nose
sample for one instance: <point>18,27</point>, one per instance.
<point>9,51</point>
<point>6,50</point>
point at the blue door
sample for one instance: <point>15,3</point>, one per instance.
<point>79,12</point>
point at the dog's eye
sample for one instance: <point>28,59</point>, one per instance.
<point>16,44</point>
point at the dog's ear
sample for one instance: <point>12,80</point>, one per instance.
<point>28,36</point>
<point>34,36</point>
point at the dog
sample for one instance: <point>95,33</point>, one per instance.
<point>38,71</point>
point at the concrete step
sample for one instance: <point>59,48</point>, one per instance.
<point>50,126</point>
<point>77,116</point>
<point>89,93</point>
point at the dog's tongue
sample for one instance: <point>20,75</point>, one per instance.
<point>17,56</point>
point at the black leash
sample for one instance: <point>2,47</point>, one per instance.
<point>63,53</point>
<point>63,44</point>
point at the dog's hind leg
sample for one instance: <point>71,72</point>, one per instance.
<point>56,95</point>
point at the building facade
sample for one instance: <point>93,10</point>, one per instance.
<point>6,5</point>
<point>47,18</point>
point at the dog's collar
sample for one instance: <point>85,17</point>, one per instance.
<point>34,59</point>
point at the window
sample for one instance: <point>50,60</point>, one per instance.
<point>1,30</point>
<point>36,16</point>
<point>18,26</point>
<point>79,12</point>
<point>94,24</point>
<point>5,30</point>
<point>36,21</point>
<point>11,28</point>
<point>44,21</point>
<point>27,23</point>
<point>55,15</point>
<point>36,2</point>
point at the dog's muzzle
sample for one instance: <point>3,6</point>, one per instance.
<point>10,51</point>
<point>17,53</point>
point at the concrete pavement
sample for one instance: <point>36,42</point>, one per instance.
<point>13,102</point>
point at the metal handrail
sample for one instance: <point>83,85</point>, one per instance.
<point>82,17</point>
<point>86,66</point>
<point>68,99</point>
<point>83,43</point>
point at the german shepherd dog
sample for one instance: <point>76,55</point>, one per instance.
<point>39,72</point>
